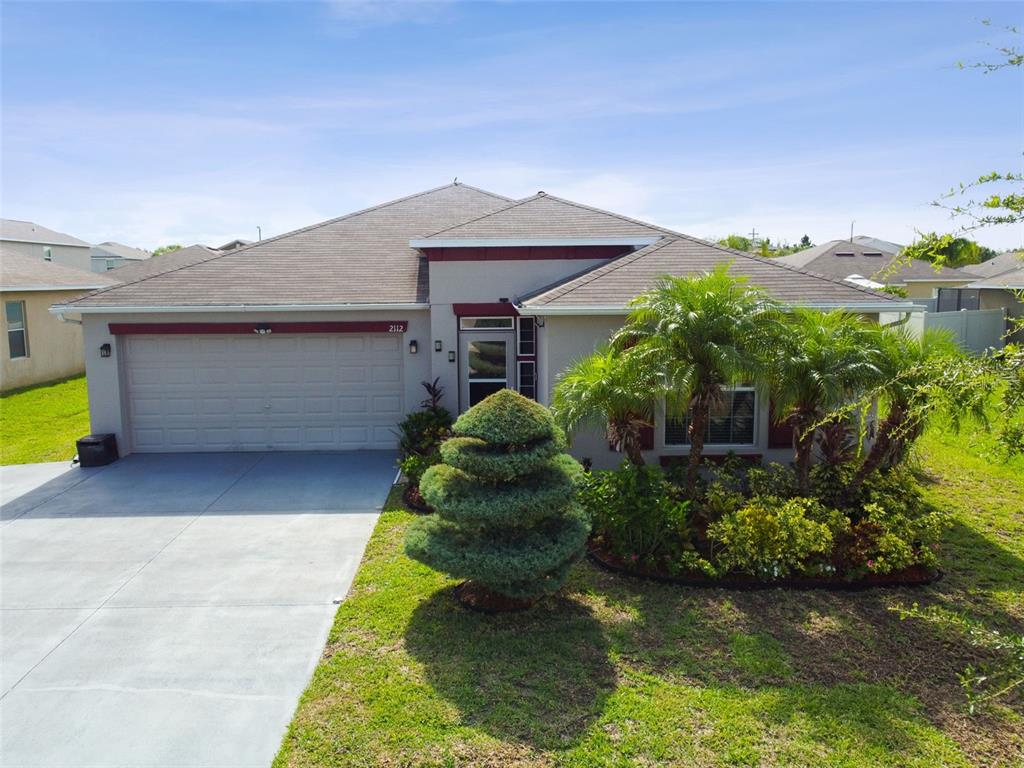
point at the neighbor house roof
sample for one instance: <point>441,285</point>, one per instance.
<point>165,262</point>
<point>120,251</point>
<point>360,258</point>
<point>30,232</point>
<point>1004,262</point>
<point>548,218</point>
<point>1011,280</point>
<point>878,244</point>
<point>29,273</point>
<point>610,287</point>
<point>236,243</point>
<point>841,258</point>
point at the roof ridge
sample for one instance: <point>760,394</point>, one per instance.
<point>300,230</point>
<point>512,204</point>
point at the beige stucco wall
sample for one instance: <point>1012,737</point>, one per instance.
<point>928,289</point>
<point>54,347</point>
<point>106,379</point>
<point>76,256</point>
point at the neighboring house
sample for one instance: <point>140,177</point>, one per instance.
<point>38,346</point>
<point>30,239</point>
<point>841,259</point>
<point>108,256</point>
<point>165,262</point>
<point>318,339</point>
<point>237,243</point>
<point>1002,284</point>
<point>878,244</point>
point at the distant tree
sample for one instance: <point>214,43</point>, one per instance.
<point>805,242</point>
<point>736,242</point>
<point>947,250</point>
<point>765,249</point>
<point>166,249</point>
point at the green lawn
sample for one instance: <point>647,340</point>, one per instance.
<point>624,672</point>
<point>42,423</point>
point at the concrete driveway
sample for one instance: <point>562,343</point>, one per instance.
<point>168,610</point>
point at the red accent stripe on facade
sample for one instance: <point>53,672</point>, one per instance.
<point>527,253</point>
<point>495,309</point>
<point>197,329</point>
<point>780,434</point>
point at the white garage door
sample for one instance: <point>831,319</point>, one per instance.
<point>257,393</point>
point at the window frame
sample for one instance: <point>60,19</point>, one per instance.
<point>533,379</point>
<point>520,352</point>
<point>505,318</point>
<point>47,253</point>
<point>661,422</point>
<point>23,330</point>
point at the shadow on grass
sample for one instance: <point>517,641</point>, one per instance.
<point>538,678</point>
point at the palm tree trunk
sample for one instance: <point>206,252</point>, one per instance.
<point>804,446</point>
<point>699,414</point>
<point>885,443</point>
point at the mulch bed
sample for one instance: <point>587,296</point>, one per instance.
<point>477,597</point>
<point>916,576</point>
<point>414,501</point>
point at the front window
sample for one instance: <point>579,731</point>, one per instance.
<point>731,423</point>
<point>47,253</point>
<point>528,379</point>
<point>487,363</point>
<point>527,337</point>
<point>17,333</point>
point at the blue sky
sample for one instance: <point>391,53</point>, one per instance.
<point>151,122</point>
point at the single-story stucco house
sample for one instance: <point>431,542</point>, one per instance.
<point>38,346</point>
<point>863,260</point>
<point>318,339</point>
<point>110,255</point>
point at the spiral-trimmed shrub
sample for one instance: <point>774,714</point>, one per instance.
<point>507,516</point>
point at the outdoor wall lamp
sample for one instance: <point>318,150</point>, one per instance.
<point>414,347</point>
<point>451,356</point>
<point>438,345</point>
<point>105,350</point>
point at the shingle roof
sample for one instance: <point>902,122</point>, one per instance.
<point>1004,262</point>
<point>360,258</point>
<point>546,216</point>
<point>30,232</point>
<point>165,262</point>
<point>118,250</point>
<point>612,285</point>
<point>1011,280</point>
<point>878,244</point>
<point>825,259</point>
<point>24,273</point>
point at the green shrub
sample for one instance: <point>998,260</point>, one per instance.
<point>771,537</point>
<point>639,515</point>
<point>421,432</point>
<point>507,515</point>
<point>414,465</point>
<point>891,538</point>
<point>772,480</point>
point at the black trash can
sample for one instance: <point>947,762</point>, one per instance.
<point>97,450</point>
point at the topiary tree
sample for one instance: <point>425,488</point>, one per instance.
<point>507,517</point>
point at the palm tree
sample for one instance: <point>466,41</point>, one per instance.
<point>701,334</point>
<point>825,361</point>
<point>608,386</point>
<point>903,361</point>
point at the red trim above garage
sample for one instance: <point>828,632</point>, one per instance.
<point>198,329</point>
<point>496,309</point>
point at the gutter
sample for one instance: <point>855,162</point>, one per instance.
<point>57,309</point>
<point>64,319</point>
<point>515,242</point>
<point>27,288</point>
<point>621,310</point>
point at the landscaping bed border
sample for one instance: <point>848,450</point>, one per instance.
<point>909,577</point>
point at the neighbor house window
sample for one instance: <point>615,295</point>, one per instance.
<point>955,299</point>
<point>47,253</point>
<point>17,334</point>
<point>485,323</point>
<point>731,423</point>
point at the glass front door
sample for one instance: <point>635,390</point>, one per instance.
<point>486,365</point>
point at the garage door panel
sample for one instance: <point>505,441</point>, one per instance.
<point>290,392</point>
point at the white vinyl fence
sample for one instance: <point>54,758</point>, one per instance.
<point>975,329</point>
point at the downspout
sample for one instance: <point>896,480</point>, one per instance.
<point>64,319</point>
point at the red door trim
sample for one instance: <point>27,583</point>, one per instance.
<point>199,329</point>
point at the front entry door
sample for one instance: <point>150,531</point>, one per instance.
<point>486,365</point>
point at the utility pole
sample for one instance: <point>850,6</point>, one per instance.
<point>753,235</point>
<point>851,229</point>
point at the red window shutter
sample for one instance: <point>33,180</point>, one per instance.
<point>779,435</point>
<point>647,438</point>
